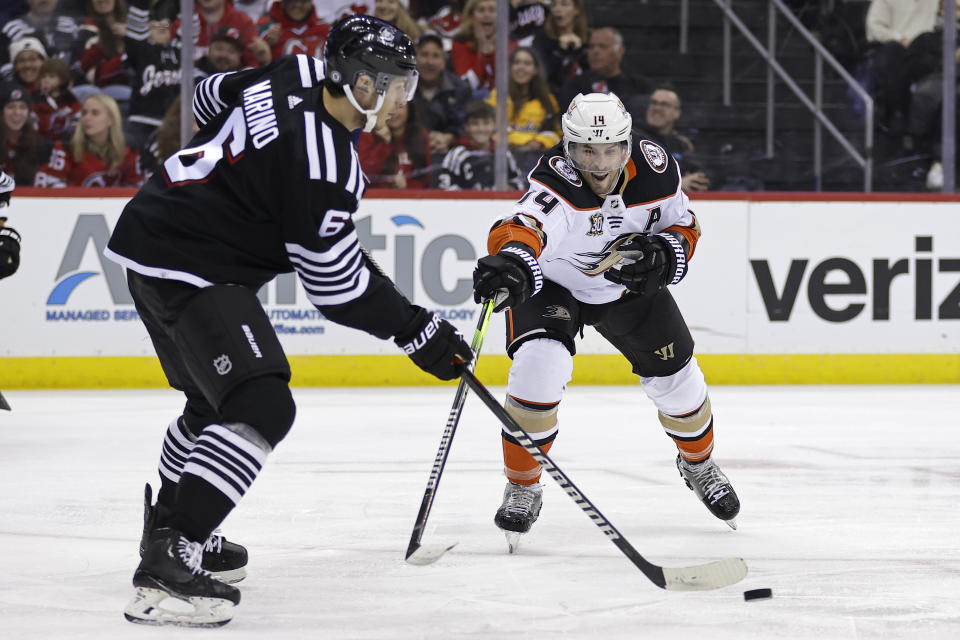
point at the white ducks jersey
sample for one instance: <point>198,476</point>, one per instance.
<point>571,229</point>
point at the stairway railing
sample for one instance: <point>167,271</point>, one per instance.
<point>814,105</point>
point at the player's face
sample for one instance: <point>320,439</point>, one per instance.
<point>599,164</point>
<point>15,115</point>
<point>95,119</point>
<point>27,66</point>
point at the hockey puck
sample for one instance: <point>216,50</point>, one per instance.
<point>757,594</point>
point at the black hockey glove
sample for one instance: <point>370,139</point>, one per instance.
<point>659,260</point>
<point>433,343</point>
<point>9,251</point>
<point>513,273</point>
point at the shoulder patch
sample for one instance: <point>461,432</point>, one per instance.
<point>563,168</point>
<point>655,155</point>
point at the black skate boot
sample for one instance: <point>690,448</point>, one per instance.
<point>712,487</point>
<point>172,588</point>
<point>520,509</point>
<point>226,561</point>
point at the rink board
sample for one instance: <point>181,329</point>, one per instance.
<point>782,289</point>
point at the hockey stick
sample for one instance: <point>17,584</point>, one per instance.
<point>3,403</point>
<point>417,554</point>
<point>712,575</point>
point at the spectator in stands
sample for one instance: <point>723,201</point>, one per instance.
<point>473,52</point>
<point>469,165</point>
<point>892,27</point>
<point>663,111</point>
<point>97,155</point>
<point>57,33</point>
<point>225,53</point>
<point>441,96</point>
<point>533,115</point>
<point>526,18</point>
<point>292,27</point>
<point>101,39</point>
<point>605,53</point>
<point>255,9</point>
<point>395,12</point>
<point>56,107</point>
<point>396,154</point>
<point>562,42</point>
<point>214,14</point>
<point>27,56</point>
<point>162,143</point>
<point>154,60</point>
<point>23,151</point>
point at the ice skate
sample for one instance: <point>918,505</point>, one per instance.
<point>712,487</point>
<point>226,561</point>
<point>520,509</point>
<point>173,589</point>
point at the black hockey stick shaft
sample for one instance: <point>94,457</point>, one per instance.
<point>652,571</point>
<point>449,430</point>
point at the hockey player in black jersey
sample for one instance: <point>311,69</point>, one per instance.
<point>267,186</point>
<point>603,230</point>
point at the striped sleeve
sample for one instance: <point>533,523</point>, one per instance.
<point>207,102</point>
<point>333,276</point>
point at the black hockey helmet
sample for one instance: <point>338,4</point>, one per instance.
<point>363,45</point>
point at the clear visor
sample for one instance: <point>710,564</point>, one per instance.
<point>398,88</point>
<point>597,157</point>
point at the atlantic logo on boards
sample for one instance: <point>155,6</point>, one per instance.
<point>85,275</point>
<point>871,285</point>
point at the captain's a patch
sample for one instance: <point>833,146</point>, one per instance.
<point>562,167</point>
<point>655,155</point>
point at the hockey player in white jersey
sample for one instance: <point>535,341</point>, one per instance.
<point>602,232</point>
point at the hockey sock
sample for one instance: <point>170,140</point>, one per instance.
<point>177,445</point>
<point>692,432</point>
<point>540,421</point>
<point>223,464</point>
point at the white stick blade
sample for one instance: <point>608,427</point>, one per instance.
<point>712,575</point>
<point>429,554</point>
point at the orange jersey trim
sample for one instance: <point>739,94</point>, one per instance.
<point>511,232</point>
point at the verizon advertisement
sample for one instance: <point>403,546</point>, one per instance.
<point>767,277</point>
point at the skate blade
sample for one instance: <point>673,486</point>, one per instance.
<point>513,541</point>
<point>230,576</point>
<point>428,554</point>
<point>732,523</point>
<point>157,607</point>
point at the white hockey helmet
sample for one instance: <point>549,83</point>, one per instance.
<point>597,119</point>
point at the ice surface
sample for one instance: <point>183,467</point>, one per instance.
<point>850,514</point>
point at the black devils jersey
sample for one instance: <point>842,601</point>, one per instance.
<point>267,186</point>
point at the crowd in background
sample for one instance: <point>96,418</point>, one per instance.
<point>90,88</point>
